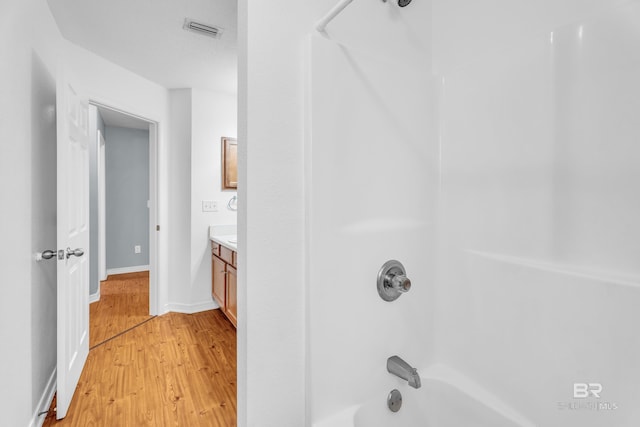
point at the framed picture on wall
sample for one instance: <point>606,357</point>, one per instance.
<point>229,163</point>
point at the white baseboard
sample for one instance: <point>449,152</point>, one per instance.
<point>94,297</point>
<point>45,401</point>
<point>125,270</point>
<point>191,308</point>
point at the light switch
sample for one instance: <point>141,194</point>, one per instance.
<point>209,206</point>
<point>137,249</point>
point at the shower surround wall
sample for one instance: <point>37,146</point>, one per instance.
<point>371,177</point>
<point>496,155</point>
<point>538,281</point>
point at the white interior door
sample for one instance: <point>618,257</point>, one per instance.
<point>73,239</point>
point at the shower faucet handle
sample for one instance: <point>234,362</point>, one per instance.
<point>392,280</point>
<point>400,282</point>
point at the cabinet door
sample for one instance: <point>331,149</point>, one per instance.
<point>232,295</point>
<point>218,274</point>
<point>226,255</point>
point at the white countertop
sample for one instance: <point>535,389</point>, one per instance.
<point>224,235</point>
<point>224,240</point>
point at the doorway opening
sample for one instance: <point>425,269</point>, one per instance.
<point>123,218</point>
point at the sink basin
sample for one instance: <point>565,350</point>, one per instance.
<point>233,240</point>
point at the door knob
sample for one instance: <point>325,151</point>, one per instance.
<point>74,252</point>
<point>48,254</point>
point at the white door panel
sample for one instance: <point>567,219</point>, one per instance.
<point>73,233</point>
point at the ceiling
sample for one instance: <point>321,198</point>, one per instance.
<point>146,37</point>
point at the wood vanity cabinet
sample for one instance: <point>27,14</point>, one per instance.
<point>232,295</point>
<point>218,288</point>
<point>224,280</point>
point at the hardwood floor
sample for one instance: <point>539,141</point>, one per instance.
<point>173,370</point>
<point>124,303</point>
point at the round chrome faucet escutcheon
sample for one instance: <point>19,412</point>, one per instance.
<point>392,280</point>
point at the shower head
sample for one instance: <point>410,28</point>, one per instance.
<point>401,3</point>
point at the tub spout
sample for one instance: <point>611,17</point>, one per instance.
<point>402,369</point>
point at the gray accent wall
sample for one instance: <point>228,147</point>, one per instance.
<point>127,193</point>
<point>95,123</point>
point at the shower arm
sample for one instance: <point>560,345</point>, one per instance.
<point>321,25</point>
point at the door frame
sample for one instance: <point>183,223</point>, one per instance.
<point>102,232</point>
<point>154,205</point>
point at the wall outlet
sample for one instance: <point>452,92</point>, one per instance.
<point>137,249</point>
<point>209,206</point>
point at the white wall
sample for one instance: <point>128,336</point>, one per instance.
<point>27,143</point>
<point>43,233</point>
<point>213,115</point>
<point>271,290</point>
<point>199,118</point>
<point>179,167</point>
<point>539,280</point>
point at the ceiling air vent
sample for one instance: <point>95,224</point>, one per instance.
<point>204,29</point>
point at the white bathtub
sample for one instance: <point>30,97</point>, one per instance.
<point>446,399</point>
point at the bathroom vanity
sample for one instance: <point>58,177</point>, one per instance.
<point>224,272</point>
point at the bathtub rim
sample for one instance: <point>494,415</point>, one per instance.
<point>450,377</point>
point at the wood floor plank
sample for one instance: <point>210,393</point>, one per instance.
<point>174,370</point>
<point>123,304</point>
